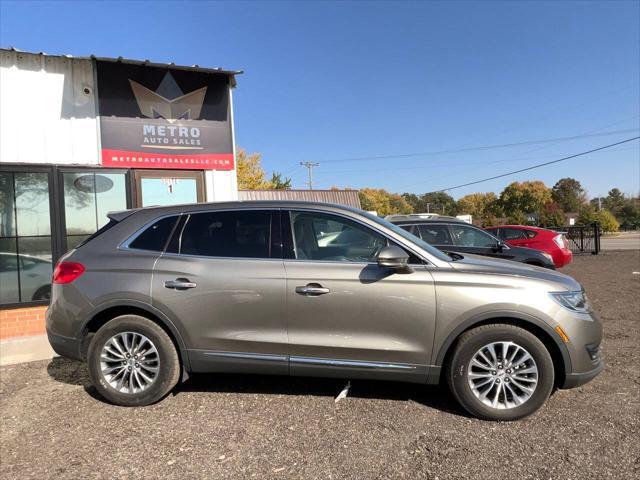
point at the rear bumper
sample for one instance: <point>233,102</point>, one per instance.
<point>562,257</point>
<point>65,346</point>
<point>573,380</point>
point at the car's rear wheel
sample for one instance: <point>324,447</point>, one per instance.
<point>132,361</point>
<point>500,372</point>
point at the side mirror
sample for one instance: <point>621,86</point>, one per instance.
<point>501,245</point>
<point>394,257</point>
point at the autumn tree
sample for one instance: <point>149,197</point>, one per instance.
<point>525,197</point>
<point>383,202</point>
<point>482,206</point>
<point>433,202</point>
<point>568,194</point>
<point>607,221</point>
<point>251,175</point>
<point>551,215</point>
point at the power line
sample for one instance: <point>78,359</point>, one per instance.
<point>537,166</point>
<point>483,147</point>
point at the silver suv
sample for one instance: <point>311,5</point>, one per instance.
<point>295,288</point>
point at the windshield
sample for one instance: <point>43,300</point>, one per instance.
<point>408,236</point>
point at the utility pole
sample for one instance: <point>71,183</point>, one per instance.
<point>428,205</point>
<point>309,166</point>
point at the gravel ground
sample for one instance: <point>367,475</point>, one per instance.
<point>266,427</point>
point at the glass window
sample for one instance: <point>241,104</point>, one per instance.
<point>435,234</point>
<point>318,236</point>
<point>155,237</point>
<point>530,233</point>
<point>467,236</point>
<point>237,234</point>
<point>513,234</point>
<point>88,197</point>
<point>25,237</point>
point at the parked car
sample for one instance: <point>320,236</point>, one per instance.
<point>452,235</point>
<point>34,275</point>
<point>256,287</point>
<point>554,243</point>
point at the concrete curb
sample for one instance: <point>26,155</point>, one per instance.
<point>25,349</point>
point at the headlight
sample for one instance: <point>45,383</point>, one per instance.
<point>574,301</point>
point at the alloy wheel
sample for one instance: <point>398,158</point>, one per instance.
<point>129,362</point>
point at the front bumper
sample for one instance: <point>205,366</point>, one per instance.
<point>573,380</point>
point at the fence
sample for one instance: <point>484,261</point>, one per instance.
<point>582,238</point>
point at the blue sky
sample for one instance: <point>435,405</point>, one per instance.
<point>330,81</point>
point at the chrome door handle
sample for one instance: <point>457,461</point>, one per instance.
<point>180,284</point>
<point>312,289</point>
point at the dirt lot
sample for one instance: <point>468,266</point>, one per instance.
<point>259,427</point>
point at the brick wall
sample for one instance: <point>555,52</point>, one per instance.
<point>20,322</point>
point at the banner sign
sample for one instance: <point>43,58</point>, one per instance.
<point>152,117</point>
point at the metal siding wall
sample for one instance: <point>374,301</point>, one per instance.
<point>45,116</point>
<point>349,198</point>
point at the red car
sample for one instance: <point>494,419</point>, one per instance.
<point>554,243</point>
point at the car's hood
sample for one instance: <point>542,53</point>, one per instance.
<point>480,264</point>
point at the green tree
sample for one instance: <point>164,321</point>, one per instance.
<point>517,218</point>
<point>433,202</point>
<point>383,202</point>
<point>525,197</point>
<point>615,201</point>
<point>277,183</point>
<point>568,194</point>
<point>551,215</point>
<point>607,221</point>
<point>629,215</point>
<point>587,215</point>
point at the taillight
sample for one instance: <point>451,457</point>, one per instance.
<point>67,272</point>
<point>560,241</point>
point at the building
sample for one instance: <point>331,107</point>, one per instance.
<point>80,137</point>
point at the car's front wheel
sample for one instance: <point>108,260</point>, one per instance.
<point>132,361</point>
<point>500,372</point>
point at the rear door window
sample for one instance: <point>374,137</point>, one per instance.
<point>435,234</point>
<point>155,237</point>
<point>231,234</point>
<point>513,234</point>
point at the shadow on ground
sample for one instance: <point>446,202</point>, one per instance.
<point>73,372</point>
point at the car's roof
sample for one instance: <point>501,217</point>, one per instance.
<point>119,215</point>
<point>441,219</point>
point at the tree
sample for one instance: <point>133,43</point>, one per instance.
<point>525,197</point>
<point>629,215</point>
<point>615,201</point>
<point>277,183</point>
<point>568,194</point>
<point>433,202</point>
<point>551,215</point>
<point>587,215</point>
<point>484,207</point>
<point>251,176</point>
<point>250,172</point>
<point>607,221</point>
<point>517,218</point>
<point>383,202</point>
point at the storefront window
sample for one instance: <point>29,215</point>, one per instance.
<point>88,197</point>
<point>25,237</point>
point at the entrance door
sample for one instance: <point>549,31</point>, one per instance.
<point>168,187</point>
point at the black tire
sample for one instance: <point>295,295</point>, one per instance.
<point>472,341</point>
<point>167,375</point>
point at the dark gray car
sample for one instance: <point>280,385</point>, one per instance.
<point>294,288</point>
<point>453,235</point>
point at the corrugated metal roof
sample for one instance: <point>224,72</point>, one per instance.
<point>195,68</point>
<point>349,198</point>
